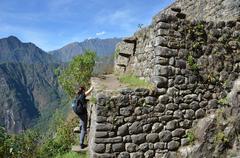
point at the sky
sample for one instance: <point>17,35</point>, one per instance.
<point>51,24</point>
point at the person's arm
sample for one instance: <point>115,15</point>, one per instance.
<point>89,91</point>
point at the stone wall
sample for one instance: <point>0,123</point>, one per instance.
<point>192,63</point>
<point>208,10</point>
<point>170,36</point>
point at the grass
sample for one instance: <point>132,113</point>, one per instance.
<point>190,136</point>
<point>73,155</point>
<point>223,101</point>
<point>133,82</point>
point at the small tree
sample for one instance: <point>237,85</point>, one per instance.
<point>78,72</point>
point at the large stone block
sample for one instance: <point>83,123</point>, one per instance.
<point>118,147</point>
<point>123,130</point>
<point>124,48</point>
<point>136,128</point>
<point>165,136</point>
<point>139,138</point>
<point>99,148</point>
<point>122,60</point>
<point>165,52</point>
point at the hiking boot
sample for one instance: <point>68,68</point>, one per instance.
<point>82,146</point>
<point>76,130</point>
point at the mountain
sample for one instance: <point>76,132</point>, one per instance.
<point>26,91</point>
<point>13,50</point>
<point>103,47</point>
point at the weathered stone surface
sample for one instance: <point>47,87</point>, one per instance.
<point>163,99</point>
<point>99,148</point>
<point>189,114</point>
<point>149,154</point>
<point>186,124</point>
<point>143,147</point>
<point>104,127</point>
<point>172,125</point>
<point>159,108</point>
<point>122,130</point>
<point>150,100</point>
<point>165,52</point>
<point>108,140</point>
<point>119,147</point>
<point>173,145</point>
<point>147,128</point>
<point>160,81</point>
<point>136,128</point>
<point>127,139</point>
<point>125,48</point>
<point>171,106</point>
<point>139,138</point>
<point>101,134</point>
<point>121,60</point>
<point>159,145</point>
<point>165,136</point>
<point>200,113</point>
<point>179,132</point>
<point>152,137</point>
<point>137,155</point>
<point>157,127</point>
<point>130,147</point>
<point>124,155</point>
<point>126,111</point>
<point>213,103</point>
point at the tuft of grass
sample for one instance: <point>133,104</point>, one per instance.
<point>223,101</point>
<point>192,64</point>
<point>73,155</point>
<point>133,82</point>
<point>220,138</point>
<point>190,136</point>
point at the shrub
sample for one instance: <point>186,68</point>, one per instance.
<point>78,72</point>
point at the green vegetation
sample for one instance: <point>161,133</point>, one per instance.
<point>192,64</point>
<point>223,101</point>
<point>220,138</point>
<point>72,155</point>
<point>78,72</point>
<point>190,136</point>
<point>32,144</point>
<point>56,138</point>
<point>116,54</point>
<point>133,81</point>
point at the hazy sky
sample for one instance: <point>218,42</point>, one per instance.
<point>51,24</point>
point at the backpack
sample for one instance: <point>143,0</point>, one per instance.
<point>78,105</point>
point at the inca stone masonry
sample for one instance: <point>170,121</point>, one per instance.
<point>193,64</point>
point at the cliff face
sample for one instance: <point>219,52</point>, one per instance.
<point>26,90</point>
<point>214,10</point>
<point>193,111</point>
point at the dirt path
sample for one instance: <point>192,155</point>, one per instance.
<point>106,83</point>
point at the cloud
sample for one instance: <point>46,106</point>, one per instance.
<point>100,33</point>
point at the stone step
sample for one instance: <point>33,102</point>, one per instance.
<point>76,148</point>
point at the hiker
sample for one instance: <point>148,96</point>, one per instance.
<point>80,108</point>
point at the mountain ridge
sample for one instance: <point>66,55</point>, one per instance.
<point>103,47</point>
<point>14,50</point>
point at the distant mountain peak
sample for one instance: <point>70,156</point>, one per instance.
<point>14,50</point>
<point>103,47</point>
